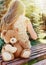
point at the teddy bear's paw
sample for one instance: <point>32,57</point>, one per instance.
<point>13,50</point>
<point>26,53</point>
<point>13,40</point>
<point>7,56</point>
<point>10,49</point>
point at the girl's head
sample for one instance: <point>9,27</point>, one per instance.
<point>16,8</point>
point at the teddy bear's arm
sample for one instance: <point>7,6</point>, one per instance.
<point>31,30</point>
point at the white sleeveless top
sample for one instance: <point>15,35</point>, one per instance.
<point>20,24</point>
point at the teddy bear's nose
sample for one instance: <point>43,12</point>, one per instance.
<point>13,40</point>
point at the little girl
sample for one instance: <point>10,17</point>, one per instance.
<point>15,18</point>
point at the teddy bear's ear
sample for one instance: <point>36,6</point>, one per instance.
<point>3,33</point>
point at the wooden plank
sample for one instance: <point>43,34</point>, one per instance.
<point>43,62</point>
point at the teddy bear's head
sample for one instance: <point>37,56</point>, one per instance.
<point>10,36</point>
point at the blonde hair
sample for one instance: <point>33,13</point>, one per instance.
<point>16,8</point>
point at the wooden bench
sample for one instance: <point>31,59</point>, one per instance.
<point>38,51</point>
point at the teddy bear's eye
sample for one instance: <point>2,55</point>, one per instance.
<point>12,39</point>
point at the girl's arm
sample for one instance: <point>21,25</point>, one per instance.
<point>31,30</point>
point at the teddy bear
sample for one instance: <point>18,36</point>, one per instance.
<point>14,47</point>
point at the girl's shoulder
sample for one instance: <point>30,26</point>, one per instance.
<point>27,20</point>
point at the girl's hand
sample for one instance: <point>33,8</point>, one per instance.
<point>31,31</point>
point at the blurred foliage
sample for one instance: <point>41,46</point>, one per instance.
<point>29,7</point>
<point>3,7</point>
<point>1,44</point>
